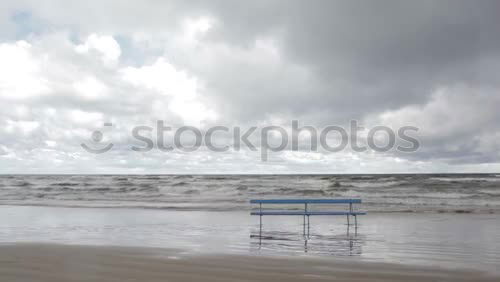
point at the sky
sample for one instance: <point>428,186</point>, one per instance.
<point>67,68</point>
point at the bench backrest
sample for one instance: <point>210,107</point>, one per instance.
<point>306,201</point>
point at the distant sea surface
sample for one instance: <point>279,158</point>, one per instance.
<point>455,193</point>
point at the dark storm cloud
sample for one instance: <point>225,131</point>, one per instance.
<point>384,53</point>
<point>369,57</point>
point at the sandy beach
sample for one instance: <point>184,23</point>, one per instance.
<point>450,241</point>
<point>43,262</point>
<point>81,244</point>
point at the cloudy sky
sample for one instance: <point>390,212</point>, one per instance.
<point>68,67</point>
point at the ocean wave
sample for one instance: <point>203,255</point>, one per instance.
<point>384,193</point>
<point>465,179</point>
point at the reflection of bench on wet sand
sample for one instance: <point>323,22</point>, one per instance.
<point>306,212</point>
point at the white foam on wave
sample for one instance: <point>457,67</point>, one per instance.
<point>415,192</point>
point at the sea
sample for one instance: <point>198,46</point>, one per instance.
<point>444,220</point>
<point>380,193</point>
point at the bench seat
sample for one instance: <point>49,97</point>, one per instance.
<point>306,213</point>
<point>306,201</point>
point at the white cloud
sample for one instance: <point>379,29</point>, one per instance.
<point>191,111</point>
<point>450,111</point>
<point>20,72</point>
<point>83,117</point>
<point>50,143</point>
<point>90,88</point>
<point>196,28</point>
<point>163,77</point>
<point>23,127</point>
<point>107,47</point>
<point>180,90</point>
<point>3,150</point>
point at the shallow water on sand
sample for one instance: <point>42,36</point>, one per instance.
<point>448,240</point>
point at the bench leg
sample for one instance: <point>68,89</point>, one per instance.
<point>260,226</point>
<point>308,226</point>
<point>260,220</point>
<point>304,227</point>
<point>355,221</point>
<point>348,223</point>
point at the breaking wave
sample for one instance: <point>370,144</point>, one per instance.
<point>460,193</point>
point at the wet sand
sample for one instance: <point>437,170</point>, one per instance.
<point>43,262</point>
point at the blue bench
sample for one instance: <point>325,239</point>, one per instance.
<point>306,212</point>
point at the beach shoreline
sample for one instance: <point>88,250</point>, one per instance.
<point>57,262</point>
<point>455,241</point>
